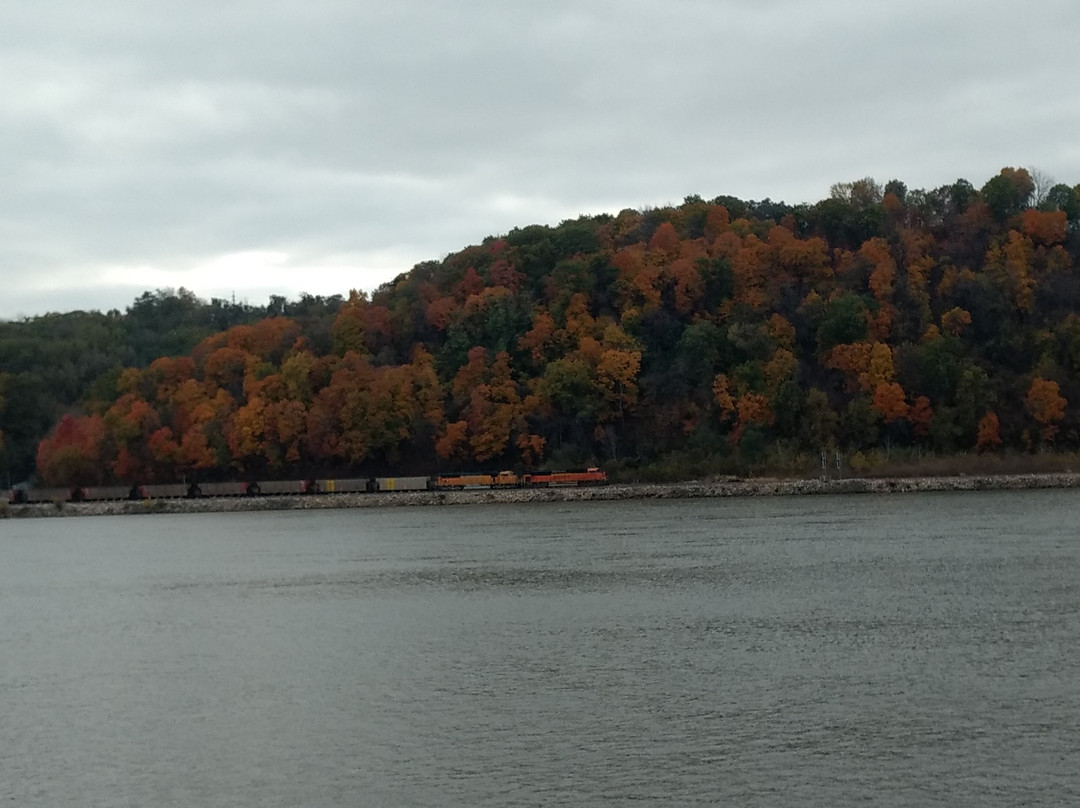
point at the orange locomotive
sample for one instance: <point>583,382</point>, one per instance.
<point>535,479</point>
<point>504,479</point>
<point>543,479</point>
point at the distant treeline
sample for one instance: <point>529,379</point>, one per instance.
<point>720,334</point>
<point>59,364</point>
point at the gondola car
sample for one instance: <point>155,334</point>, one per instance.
<point>355,485</point>
<point>403,483</point>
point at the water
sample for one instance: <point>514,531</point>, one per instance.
<point>818,651</point>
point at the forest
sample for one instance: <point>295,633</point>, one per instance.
<point>717,336</point>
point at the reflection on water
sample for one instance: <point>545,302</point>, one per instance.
<point>899,650</point>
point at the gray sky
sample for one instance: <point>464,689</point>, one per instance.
<point>254,148</point>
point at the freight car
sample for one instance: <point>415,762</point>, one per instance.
<point>355,485</point>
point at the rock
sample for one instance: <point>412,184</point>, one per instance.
<point>719,488</point>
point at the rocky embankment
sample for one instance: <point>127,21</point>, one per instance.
<point>688,490</point>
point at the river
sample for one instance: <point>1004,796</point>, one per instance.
<point>891,650</point>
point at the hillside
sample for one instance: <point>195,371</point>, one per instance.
<point>718,335</point>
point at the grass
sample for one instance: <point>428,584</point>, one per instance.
<point>781,463</point>
<point>971,465</point>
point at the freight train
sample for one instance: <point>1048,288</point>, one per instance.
<point>355,485</point>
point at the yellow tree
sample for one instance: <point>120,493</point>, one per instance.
<point>918,266</point>
<point>1010,266</point>
<point>246,432</point>
<point>867,365</point>
<point>721,389</point>
<point>782,332</point>
<point>347,331</point>
<point>616,373</point>
<point>427,395</point>
<point>363,412</point>
<point>493,411</point>
<point>618,363</point>
<point>297,373</point>
<point>779,369</point>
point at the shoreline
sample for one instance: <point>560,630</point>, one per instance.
<point>614,492</point>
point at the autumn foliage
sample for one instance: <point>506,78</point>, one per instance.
<point>940,319</point>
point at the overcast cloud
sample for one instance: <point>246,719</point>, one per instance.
<point>274,147</point>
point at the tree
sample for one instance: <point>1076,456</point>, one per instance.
<point>989,437</point>
<point>71,454</point>
<point>453,443</point>
<point>955,320</point>
<point>877,252</point>
<point>844,321</point>
<point>721,389</point>
<point>873,315</point>
<point>889,401</point>
<point>752,411</point>
<point>616,373</point>
<point>1008,193</point>
<point>1010,266</point>
<point>269,339</point>
<point>226,369</point>
<point>246,433</point>
<point>1044,227</point>
<point>348,331</point>
<point>666,241</point>
<point>819,421</point>
<point>920,416</point>
<point>867,365</point>
<point>199,419</point>
<point>365,413</point>
<point>567,391</point>
<point>1046,405</point>
<point>129,424</point>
